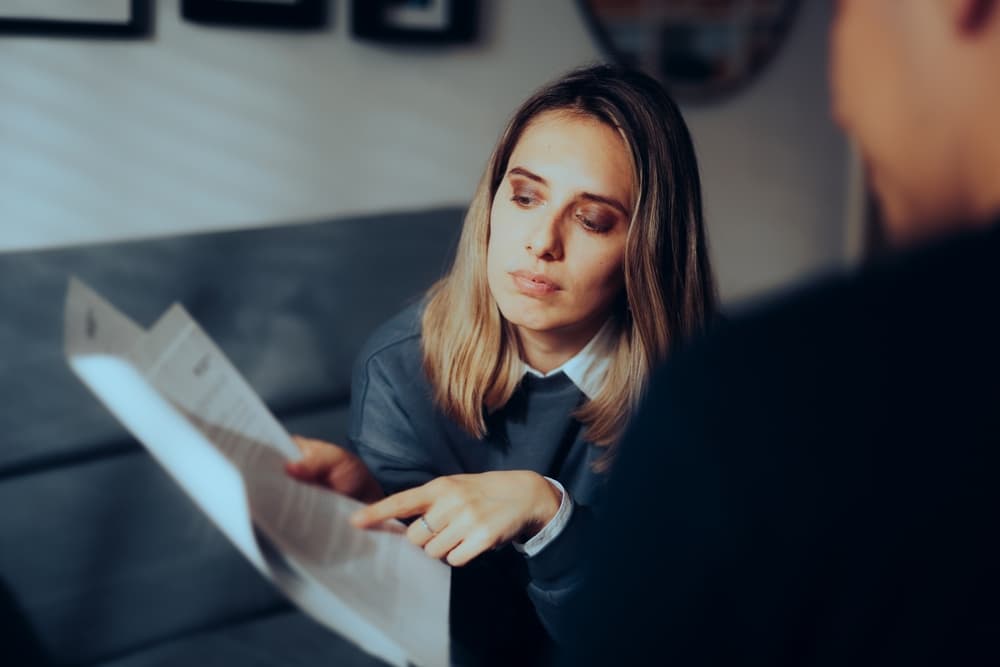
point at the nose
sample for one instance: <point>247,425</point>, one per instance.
<point>545,239</point>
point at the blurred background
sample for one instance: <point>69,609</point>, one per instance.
<point>129,129</point>
<point>198,125</point>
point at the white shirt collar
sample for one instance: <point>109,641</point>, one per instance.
<point>587,368</point>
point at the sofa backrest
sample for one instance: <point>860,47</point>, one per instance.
<point>100,552</point>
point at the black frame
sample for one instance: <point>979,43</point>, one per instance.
<point>138,24</point>
<point>368,22</point>
<point>301,15</point>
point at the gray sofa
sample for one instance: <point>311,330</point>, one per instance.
<point>103,560</point>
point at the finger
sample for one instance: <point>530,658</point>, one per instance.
<point>295,469</point>
<point>479,540</point>
<point>353,478</point>
<point>397,506</point>
<point>447,539</point>
<point>346,477</point>
<point>306,470</point>
<point>435,520</point>
<point>318,458</point>
<point>312,447</point>
<point>305,445</point>
<point>418,533</point>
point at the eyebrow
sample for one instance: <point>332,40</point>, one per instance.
<point>613,203</point>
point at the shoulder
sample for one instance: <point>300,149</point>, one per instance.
<point>389,369</point>
<point>842,334</point>
<point>931,292</point>
<point>395,343</point>
<point>751,339</point>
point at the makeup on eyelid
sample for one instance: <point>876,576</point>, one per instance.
<point>592,218</point>
<point>558,225</point>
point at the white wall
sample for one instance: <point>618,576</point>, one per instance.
<point>774,168</point>
<point>207,128</point>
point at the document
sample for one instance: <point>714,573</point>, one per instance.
<point>179,395</point>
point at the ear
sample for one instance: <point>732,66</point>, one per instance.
<point>972,16</point>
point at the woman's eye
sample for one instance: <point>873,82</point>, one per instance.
<point>593,225</point>
<point>524,198</point>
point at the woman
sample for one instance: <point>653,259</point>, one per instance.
<point>491,410</point>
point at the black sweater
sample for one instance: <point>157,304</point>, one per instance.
<point>497,600</point>
<point>827,476</point>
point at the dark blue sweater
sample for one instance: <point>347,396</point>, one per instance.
<point>498,599</point>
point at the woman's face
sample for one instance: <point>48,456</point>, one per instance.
<point>558,226</point>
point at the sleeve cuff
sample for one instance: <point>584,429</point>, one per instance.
<point>553,528</point>
<point>558,565</point>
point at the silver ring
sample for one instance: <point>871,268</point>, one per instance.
<point>427,525</point>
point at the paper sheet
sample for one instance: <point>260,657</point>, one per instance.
<point>179,395</point>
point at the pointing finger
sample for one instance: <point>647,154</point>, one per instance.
<point>397,506</point>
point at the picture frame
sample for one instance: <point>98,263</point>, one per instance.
<point>701,51</point>
<point>415,21</point>
<point>113,19</point>
<point>287,14</point>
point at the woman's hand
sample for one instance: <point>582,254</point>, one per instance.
<point>461,516</point>
<point>334,467</point>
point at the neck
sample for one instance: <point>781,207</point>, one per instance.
<point>984,178</point>
<point>548,350</point>
<point>982,134</point>
<point>968,197</point>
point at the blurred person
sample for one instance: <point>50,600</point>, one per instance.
<point>816,483</point>
<point>491,409</point>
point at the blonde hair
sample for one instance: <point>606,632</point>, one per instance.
<point>471,353</point>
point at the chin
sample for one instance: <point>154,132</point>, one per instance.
<point>528,320</point>
<point>534,316</point>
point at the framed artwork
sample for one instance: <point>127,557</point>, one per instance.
<point>415,21</point>
<point>61,18</point>
<point>295,14</point>
<point>701,50</point>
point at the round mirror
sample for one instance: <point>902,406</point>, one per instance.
<point>699,49</point>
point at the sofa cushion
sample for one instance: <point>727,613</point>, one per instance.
<point>290,305</point>
<point>103,555</point>
<point>111,554</point>
<point>281,640</point>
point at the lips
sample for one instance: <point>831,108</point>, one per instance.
<point>534,284</point>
